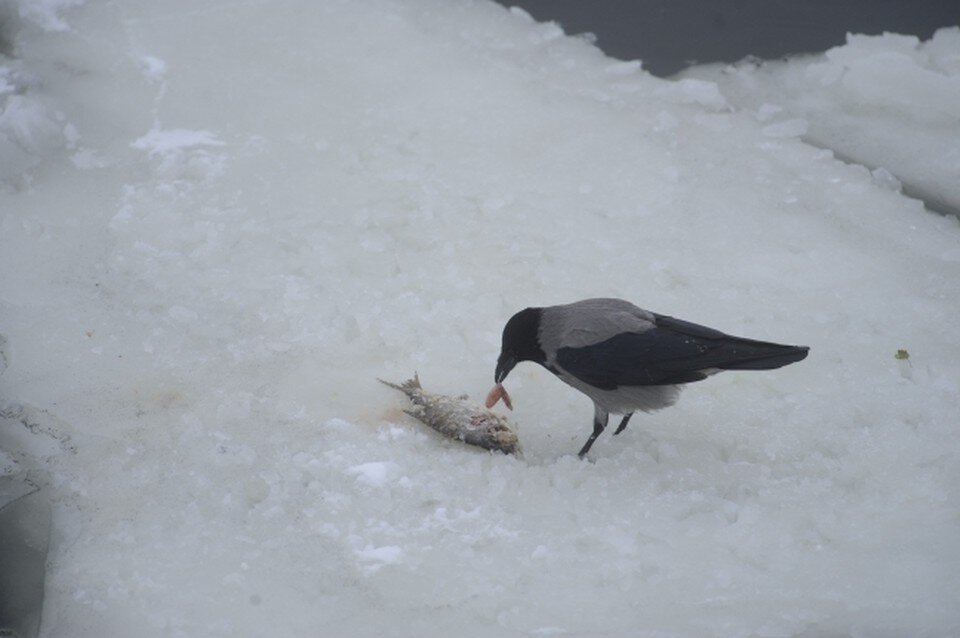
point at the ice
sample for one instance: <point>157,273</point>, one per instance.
<point>883,177</point>
<point>693,91</point>
<point>888,101</point>
<point>154,68</point>
<point>160,142</point>
<point>380,555</point>
<point>788,128</point>
<point>221,223</point>
<point>28,131</point>
<point>624,68</point>
<point>47,14</point>
<point>375,474</point>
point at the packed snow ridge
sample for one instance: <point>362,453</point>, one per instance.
<point>890,102</point>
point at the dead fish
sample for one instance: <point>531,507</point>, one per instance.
<point>458,418</point>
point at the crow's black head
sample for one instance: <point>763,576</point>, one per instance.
<point>520,342</point>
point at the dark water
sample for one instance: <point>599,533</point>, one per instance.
<point>669,35</point>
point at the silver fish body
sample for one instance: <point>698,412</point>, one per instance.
<point>458,418</point>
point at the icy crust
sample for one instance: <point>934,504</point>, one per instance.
<point>266,211</point>
<point>890,102</point>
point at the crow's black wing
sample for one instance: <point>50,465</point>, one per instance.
<point>674,351</point>
<point>630,358</point>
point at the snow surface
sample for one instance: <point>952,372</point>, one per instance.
<point>890,102</point>
<point>221,221</point>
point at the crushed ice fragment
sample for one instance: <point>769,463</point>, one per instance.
<point>885,179</point>
<point>158,142</point>
<point>375,474</point>
<point>789,128</point>
<point>692,91</point>
<point>385,555</point>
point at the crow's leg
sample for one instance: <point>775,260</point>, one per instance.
<point>600,417</point>
<point>623,424</point>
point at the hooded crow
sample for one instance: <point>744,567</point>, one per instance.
<point>625,358</point>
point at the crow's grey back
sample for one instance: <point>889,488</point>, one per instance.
<point>584,323</point>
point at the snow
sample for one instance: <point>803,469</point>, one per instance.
<point>888,101</point>
<point>221,223</point>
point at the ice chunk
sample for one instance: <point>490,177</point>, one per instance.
<point>47,14</point>
<point>377,557</point>
<point>694,91</point>
<point>624,68</point>
<point>886,179</point>
<point>29,131</point>
<point>375,474</point>
<point>789,128</point>
<point>153,67</point>
<point>944,50</point>
<point>159,141</point>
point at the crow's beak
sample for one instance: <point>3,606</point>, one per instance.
<point>504,365</point>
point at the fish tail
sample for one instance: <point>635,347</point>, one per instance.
<point>407,387</point>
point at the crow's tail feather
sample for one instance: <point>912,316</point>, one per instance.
<point>745,354</point>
